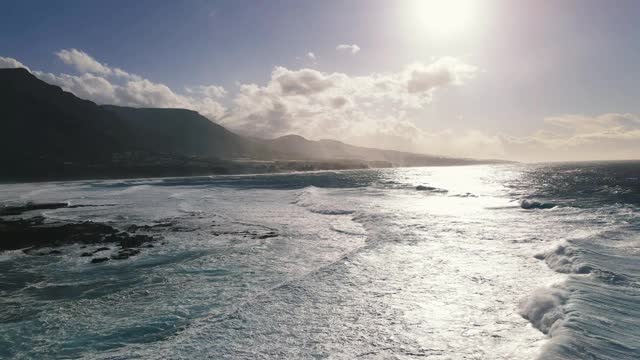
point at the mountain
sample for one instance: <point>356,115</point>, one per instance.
<point>297,147</point>
<point>180,131</point>
<point>39,120</point>
<point>47,133</point>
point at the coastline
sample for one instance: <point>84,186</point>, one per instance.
<point>203,167</point>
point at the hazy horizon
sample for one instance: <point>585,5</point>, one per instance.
<point>483,79</point>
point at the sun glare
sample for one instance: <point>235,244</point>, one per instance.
<point>443,17</point>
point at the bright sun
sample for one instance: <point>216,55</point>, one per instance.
<point>443,17</point>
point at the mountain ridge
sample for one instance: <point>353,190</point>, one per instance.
<point>47,133</point>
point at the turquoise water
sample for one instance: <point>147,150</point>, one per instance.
<point>364,265</point>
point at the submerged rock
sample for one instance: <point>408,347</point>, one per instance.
<point>99,260</point>
<point>528,204</point>
<point>430,188</point>
<point>154,227</point>
<point>134,241</point>
<point>35,233</point>
<point>17,210</point>
<point>125,254</point>
<point>270,234</point>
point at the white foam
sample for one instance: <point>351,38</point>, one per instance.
<point>317,201</point>
<point>11,254</point>
<point>545,308</point>
<point>563,259</point>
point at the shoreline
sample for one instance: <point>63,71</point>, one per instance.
<point>280,171</point>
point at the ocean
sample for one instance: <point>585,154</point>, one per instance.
<point>513,261</point>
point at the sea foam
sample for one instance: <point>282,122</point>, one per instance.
<point>544,308</point>
<point>564,259</point>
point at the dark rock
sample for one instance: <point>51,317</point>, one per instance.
<point>35,233</point>
<point>134,241</point>
<point>134,228</point>
<point>99,260</point>
<point>17,210</point>
<point>104,248</point>
<point>270,234</point>
<point>125,254</point>
<point>55,252</point>
<point>85,254</point>
<point>430,188</point>
<point>529,204</point>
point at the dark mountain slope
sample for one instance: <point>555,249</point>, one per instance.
<point>180,131</point>
<point>40,121</point>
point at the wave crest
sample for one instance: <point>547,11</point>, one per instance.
<point>563,259</point>
<point>314,200</point>
<point>545,309</point>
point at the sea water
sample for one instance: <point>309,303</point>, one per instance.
<point>478,262</point>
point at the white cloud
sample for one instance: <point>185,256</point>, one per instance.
<point>611,123</point>
<point>303,82</point>
<point>84,63</point>
<point>336,105</point>
<point>372,111</point>
<point>86,86</point>
<point>442,72</point>
<point>369,110</point>
<point>212,91</point>
<point>353,48</point>
<point>311,56</point>
<point>563,138</point>
<point>11,63</point>
<point>103,84</point>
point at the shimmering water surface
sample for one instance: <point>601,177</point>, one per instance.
<point>364,265</point>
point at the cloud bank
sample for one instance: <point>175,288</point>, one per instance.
<point>370,110</point>
<point>331,105</point>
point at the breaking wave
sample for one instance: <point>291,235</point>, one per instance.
<point>545,308</point>
<point>563,259</point>
<point>316,200</point>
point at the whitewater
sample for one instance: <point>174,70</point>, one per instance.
<point>506,261</point>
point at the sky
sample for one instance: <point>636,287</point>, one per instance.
<point>521,80</point>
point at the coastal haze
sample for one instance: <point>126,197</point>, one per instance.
<point>306,180</point>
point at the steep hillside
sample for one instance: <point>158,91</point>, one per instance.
<point>40,121</point>
<point>180,131</point>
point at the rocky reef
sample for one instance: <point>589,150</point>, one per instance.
<point>35,235</point>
